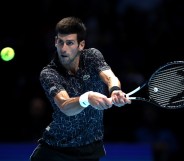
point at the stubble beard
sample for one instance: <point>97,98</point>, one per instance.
<point>68,61</point>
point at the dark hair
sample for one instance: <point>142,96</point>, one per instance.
<point>72,25</point>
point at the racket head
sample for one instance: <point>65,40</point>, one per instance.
<point>166,86</point>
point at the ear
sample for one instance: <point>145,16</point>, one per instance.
<point>55,41</point>
<point>81,45</point>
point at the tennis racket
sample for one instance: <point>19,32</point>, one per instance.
<point>165,87</point>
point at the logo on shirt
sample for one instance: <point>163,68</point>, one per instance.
<point>52,88</point>
<point>86,77</point>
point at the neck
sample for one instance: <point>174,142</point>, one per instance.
<point>73,67</point>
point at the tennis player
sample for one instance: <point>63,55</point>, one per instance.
<point>80,86</point>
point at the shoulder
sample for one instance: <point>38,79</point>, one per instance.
<point>92,52</point>
<point>50,68</point>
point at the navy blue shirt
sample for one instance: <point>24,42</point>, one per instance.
<point>87,126</point>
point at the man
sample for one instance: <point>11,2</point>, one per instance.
<point>76,82</point>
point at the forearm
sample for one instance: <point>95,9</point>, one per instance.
<point>110,79</point>
<point>73,106</point>
<point>70,106</point>
<point>114,86</point>
<point>113,81</point>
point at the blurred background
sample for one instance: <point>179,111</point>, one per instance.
<point>135,36</point>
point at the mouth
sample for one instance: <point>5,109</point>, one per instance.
<point>64,56</point>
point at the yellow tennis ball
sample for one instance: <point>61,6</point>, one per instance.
<point>7,54</point>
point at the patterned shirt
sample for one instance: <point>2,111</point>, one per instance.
<point>87,126</point>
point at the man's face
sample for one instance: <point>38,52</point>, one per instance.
<point>67,48</point>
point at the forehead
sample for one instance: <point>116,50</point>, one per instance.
<point>67,36</point>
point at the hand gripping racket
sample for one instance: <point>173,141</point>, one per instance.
<point>165,88</point>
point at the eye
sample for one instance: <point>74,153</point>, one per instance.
<point>60,42</point>
<point>69,43</point>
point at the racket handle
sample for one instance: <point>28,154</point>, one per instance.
<point>131,98</point>
<point>134,91</point>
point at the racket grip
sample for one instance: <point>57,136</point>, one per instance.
<point>131,98</point>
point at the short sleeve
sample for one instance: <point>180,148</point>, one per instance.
<point>51,81</point>
<point>97,61</point>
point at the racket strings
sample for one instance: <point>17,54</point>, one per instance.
<point>166,87</point>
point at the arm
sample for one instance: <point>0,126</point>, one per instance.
<point>117,95</point>
<point>71,106</point>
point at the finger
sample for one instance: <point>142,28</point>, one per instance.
<point>127,101</point>
<point>106,106</point>
<point>109,102</point>
<point>101,106</point>
<point>115,99</point>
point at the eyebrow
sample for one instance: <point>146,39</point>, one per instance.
<point>66,40</point>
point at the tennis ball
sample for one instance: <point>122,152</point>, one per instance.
<point>7,54</point>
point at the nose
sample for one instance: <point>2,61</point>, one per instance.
<point>63,47</point>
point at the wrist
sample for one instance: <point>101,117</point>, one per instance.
<point>113,88</point>
<point>83,100</point>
